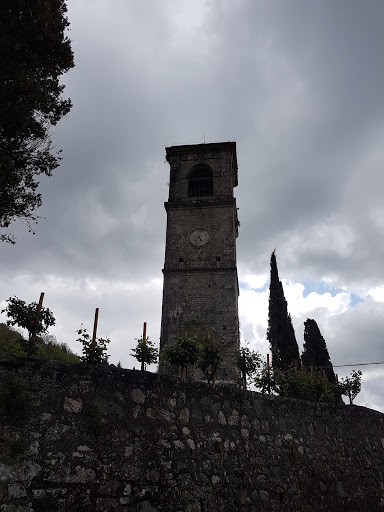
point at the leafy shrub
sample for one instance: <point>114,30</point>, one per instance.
<point>209,358</point>
<point>145,352</point>
<point>182,352</point>
<point>94,352</point>
<point>247,362</point>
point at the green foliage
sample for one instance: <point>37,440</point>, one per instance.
<point>294,383</point>
<point>209,358</point>
<point>315,351</point>
<point>247,362</point>
<point>266,381</point>
<point>280,334</point>
<point>14,397</point>
<point>94,352</point>
<point>28,346</point>
<point>9,341</point>
<point>304,385</point>
<point>351,386</point>
<point>48,347</point>
<point>145,352</point>
<point>23,315</point>
<point>182,352</point>
<point>35,53</point>
<point>195,348</point>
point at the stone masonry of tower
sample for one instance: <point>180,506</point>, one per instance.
<point>200,274</point>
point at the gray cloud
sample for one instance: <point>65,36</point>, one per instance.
<point>298,85</point>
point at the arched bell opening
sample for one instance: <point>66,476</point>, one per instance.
<point>200,182</point>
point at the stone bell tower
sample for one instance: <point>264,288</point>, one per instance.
<point>200,274</point>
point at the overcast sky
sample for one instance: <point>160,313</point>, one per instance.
<point>299,86</point>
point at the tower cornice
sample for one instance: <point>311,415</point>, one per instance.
<point>206,202</point>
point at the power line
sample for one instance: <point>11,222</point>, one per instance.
<point>356,364</point>
<point>341,365</point>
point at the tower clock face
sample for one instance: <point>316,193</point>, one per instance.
<point>199,237</point>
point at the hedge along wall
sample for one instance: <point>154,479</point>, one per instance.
<point>74,438</point>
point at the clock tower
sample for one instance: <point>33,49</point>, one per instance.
<point>200,274</point>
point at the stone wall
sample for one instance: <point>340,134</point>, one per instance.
<point>74,438</point>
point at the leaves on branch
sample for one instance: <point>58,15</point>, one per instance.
<point>145,352</point>
<point>35,53</point>
<point>94,351</point>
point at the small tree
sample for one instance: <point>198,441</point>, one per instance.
<point>266,380</point>
<point>209,359</point>
<point>351,386</point>
<point>145,352</point>
<point>247,362</point>
<point>182,352</point>
<point>94,352</point>
<point>24,315</point>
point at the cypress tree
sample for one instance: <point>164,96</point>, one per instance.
<point>280,334</point>
<point>315,350</point>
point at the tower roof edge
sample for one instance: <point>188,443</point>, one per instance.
<point>205,148</point>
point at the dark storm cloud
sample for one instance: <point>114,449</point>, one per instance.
<point>323,147</point>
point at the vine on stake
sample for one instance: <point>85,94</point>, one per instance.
<point>145,351</point>
<point>32,317</point>
<point>94,349</point>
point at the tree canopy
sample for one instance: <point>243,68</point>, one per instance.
<point>35,53</point>
<point>24,315</point>
<point>280,334</point>
<point>145,352</point>
<point>315,350</point>
<point>248,362</point>
<point>209,358</point>
<point>350,386</point>
<point>182,352</point>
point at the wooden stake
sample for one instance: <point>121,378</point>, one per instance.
<point>268,362</point>
<point>144,340</point>
<point>95,326</point>
<point>40,305</point>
